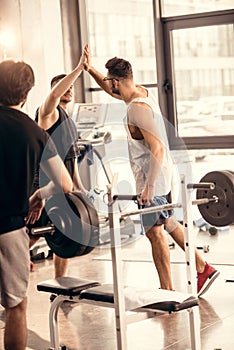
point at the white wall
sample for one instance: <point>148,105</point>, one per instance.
<point>36,26</point>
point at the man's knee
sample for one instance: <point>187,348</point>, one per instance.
<point>14,316</point>
<point>171,225</point>
<point>20,307</point>
<point>154,233</point>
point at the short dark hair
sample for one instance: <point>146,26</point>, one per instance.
<point>55,79</point>
<point>16,80</point>
<point>119,67</point>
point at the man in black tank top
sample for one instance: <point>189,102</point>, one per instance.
<point>52,117</point>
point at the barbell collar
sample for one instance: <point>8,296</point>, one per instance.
<point>42,230</point>
<point>202,186</point>
<point>205,200</point>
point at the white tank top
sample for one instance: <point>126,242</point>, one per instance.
<point>140,154</point>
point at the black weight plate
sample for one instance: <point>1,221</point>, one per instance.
<point>230,172</point>
<point>68,239</point>
<point>221,213</point>
<point>93,219</point>
<point>94,222</point>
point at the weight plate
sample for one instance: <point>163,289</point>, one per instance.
<point>94,222</point>
<point>72,229</point>
<point>221,213</point>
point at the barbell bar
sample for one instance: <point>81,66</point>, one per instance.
<point>50,228</point>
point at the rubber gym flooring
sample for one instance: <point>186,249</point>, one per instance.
<point>88,327</point>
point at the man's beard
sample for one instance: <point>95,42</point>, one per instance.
<point>65,99</point>
<point>115,91</point>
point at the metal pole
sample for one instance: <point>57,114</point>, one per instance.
<point>118,282</point>
<point>189,246</point>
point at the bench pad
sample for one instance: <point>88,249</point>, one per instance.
<point>160,299</point>
<point>68,286</point>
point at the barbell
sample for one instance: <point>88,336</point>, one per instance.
<point>70,222</point>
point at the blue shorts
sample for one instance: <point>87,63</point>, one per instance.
<point>157,218</point>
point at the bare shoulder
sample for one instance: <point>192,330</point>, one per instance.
<point>140,104</point>
<point>143,92</point>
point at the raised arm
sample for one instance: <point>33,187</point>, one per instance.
<point>47,111</point>
<point>98,77</point>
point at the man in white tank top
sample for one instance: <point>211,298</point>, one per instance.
<point>151,164</point>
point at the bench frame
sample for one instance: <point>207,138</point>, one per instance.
<point>131,316</point>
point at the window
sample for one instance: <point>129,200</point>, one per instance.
<point>199,65</point>
<point>125,29</point>
<point>183,51</point>
<point>193,6</point>
<point>200,82</point>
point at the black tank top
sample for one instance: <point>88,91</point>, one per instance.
<point>64,135</point>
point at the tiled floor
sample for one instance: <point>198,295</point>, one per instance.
<point>88,327</point>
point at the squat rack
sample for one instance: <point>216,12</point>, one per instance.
<point>114,218</point>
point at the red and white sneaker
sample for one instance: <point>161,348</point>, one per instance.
<point>205,279</point>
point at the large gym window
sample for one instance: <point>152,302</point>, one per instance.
<point>199,70</point>
<point>124,29</point>
<point>182,51</point>
<point>204,80</point>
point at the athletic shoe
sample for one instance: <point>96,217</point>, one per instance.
<point>205,279</point>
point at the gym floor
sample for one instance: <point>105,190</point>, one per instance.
<point>88,327</point>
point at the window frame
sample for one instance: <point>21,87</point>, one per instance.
<point>163,27</point>
<point>164,56</point>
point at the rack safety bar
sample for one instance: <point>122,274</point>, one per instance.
<point>168,206</point>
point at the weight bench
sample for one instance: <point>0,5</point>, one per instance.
<point>141,303</point>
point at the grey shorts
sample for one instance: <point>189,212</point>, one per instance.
<point>14,267</point>
<point>157,218</point>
